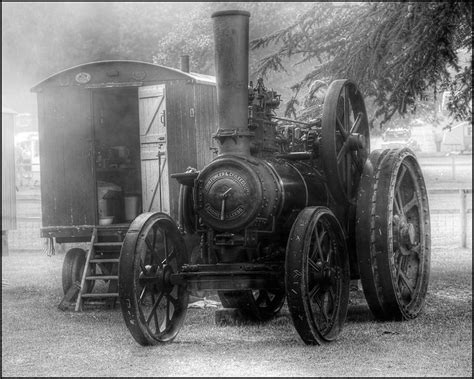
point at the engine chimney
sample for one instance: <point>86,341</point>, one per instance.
<point>231,40</point>
<point>185,63</point>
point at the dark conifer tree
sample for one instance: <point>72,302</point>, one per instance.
<point>399,53</point>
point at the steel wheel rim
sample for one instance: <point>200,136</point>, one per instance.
<point>324,294</point>
<point>407,236</point>
<point>394,258</point>
<point>345,139</point>
<point>317,278</point>
<point>153,306</point>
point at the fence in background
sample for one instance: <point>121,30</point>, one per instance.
<point>450,223</point>
<point>450,227</point>
<point>455,161</point>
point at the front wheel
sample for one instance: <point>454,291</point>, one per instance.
<point>317,275</point>
<point>153,306</point>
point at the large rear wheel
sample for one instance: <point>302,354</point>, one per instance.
<point>345,139</point>
<point>153,306</point>
<point>393,235</point>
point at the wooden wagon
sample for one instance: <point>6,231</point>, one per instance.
<point>111,133</point>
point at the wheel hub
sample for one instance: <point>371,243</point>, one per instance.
<point>162,277</point>
<point>404,232</point>
<point>326,276</point>
<point>357,142</point>
<point>166,280</point>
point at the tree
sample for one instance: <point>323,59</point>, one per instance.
<point>193,33</point>
<point>397,52</point>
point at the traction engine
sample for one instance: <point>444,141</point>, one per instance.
<point>282,213</point>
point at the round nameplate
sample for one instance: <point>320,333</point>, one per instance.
<point>226,194</point>
<point>230,194</point>
<point>83,77</point>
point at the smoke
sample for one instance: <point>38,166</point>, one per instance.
<point>40,39</point>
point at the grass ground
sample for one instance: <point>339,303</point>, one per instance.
<point>40,340</point>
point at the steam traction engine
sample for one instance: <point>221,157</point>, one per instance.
<point>281,215</point>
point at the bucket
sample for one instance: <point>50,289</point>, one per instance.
<point>132,207</point>
<point>109,199</point>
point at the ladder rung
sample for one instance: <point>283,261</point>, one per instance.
<point>108,260</point>
<point>102,277</point>
<point>108,244</point>
<point>98,295</point>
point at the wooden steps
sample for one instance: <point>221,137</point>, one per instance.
<point>101,265</point>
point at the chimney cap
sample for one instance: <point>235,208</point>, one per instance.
<point>230,13</point>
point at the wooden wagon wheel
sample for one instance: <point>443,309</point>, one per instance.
<point>393,235</point>
<point>345,139</point>
<point>73,267</point>
<point>317,275</point>
<point>259,305</point>
<point>153,308</point>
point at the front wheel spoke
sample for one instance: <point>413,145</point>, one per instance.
<point>314,291</point>
<point>172,254</point>
<point>318,243</point>
<point>319,302</point>
<point>313,265</point>
<point>143,268</point>
<point>140,298</point>
<point>153,310</point>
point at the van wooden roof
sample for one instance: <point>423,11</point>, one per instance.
<point>118,73</point>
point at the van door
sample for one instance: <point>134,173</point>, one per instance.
<point>153,148</point>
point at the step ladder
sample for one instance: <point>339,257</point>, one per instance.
<point>101,266</point>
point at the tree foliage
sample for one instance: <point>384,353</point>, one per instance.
<point>193,34</point>
<point>398,53</point>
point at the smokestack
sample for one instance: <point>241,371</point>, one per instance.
<point>231,40</point>
<point>185,63</point>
